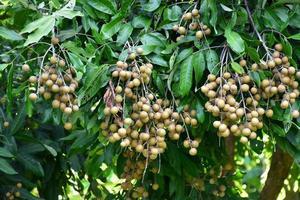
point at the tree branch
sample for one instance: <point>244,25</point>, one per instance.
<point>279,170</point>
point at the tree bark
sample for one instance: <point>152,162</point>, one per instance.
<point>279,170</point>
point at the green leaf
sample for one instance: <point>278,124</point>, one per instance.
<point>6,167</point>
<point>151,5</point>
<point>124,33</point>
<point>200,112</point>
<point>111,28</point>
<point>173,14</point>
<point>212,5</point>
<point>237,68</point>
<point>5,153</point>
<point>141,22</point>
<point>39,29</point>
<point>225,8</point>
<point>68,13</point>
<point>106,6</point>
<point>256,77</point>
<point>183,55</point>
<point>287,47</point>
<point>277,130</point>
<point>199,65</point>
<point>51,150</point>
<point>253,54</point>
<point>158,60</point>
<point>9,34</point>
<point>235,41</point>
<point>31,164</point>
<point>295,37</point>
<point>212,61</point>
<point>186,76</point>
<point>3,67</point>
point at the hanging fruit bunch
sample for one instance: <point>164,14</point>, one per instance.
<point>55,81</point>
<point>137,117</point>
<point>14,193</point>
<point>190,23</point>
<point>240,104</point>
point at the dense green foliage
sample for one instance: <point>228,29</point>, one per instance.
<point>80,163</point>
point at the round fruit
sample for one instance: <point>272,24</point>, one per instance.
<point>33,96</point>
<point>54,40</point>
<point>199,35</point>
<point>53,60</point>
<point>193,151</point>
<point>139,50</point>
<point>181,30</point>
<point>278,47</point>
<point>19,185</point>
<point>61,63</point>
<point>68,125</point>
<point>6,124</point>
<point>25,68</point>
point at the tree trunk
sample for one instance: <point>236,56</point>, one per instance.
<point>279,170</point>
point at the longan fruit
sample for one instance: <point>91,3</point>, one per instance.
<point>199,35</point>
<point>269,113</point>
<point>155,186</point>
<point>284,104</point>
<point>139,50</point>
<point>32,79</point>
<point>181,30</point>
<point>114,110</point>
<point>54,40</point>
<point>55,103</point>
<point>33,96</point>
<point>6,124</point>
<point>17,194</point>
<point>68,126</point>
<point>295,113</point>
<point>175,27</point>
<point>195,12</point>
<point>132,56</point>
<point>68,110</point>
<point>61,63</point>
<point>193,151</point>
<point>53,60</point>
<point>243,63</point>
<point>25,68</point>
<point>243,140</point>
<point>207,31</point>
<point>278,47</point>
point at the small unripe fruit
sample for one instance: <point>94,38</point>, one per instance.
<point>32,79</point>
<point>19,185</point>
<point>199,35</point>
<point>68,110</point>
<point>243,63</point>
<point>284,104</point>
<point>295,114</point>
<point>132,56</point>
<point>155,186</point>
<point>139,50</point>
<point>195,12</point>
<point>17,194</point>
<point>55,104</point>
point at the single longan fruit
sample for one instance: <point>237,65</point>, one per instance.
<point>132,56</point>
<point>62,63</point>
<point>278,47</point>
<point>68,110</point>
<point>53,60</point>
<point>155,186</point>
<point>54,40</point>
<point>17,194</point>
<point>207,31</point>
<point>199,35</point>
<point>68,125</point>
<point>25,68</point>
<point>222,127</point>
<point>269,113</point>
<point>284,104</point>
<point>243,63</point>
<point>33,96</point>
<point>32,79</point>
<point>19,185</point>
<point>114,110</point>
<point>195,12</point>
<point>181,30</point>
<point>193,151</point>
<point>243,140</point>
<point>139,50</point>
<point>295,114</point>
<point>6,124</point>
<point>175,27</point>
<point>55,103</point>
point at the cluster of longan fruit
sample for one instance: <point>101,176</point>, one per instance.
<point>235,98</point>
<point>56,82</point>
<point>14,193</point>
<point>220,190</point>
<point>231,101</point>
<point>137,118</point>
<point>282,86</point>
<point>191,22</point>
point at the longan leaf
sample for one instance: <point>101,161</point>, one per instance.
<point>199,65</point>
<point>151,5</point>
<point>6,167</point>
<point>5,153</point>
<point>212,61</point>
<point>237,68</point>
<point>9,34</point>
<point>105,6</point>
<point>253,54</point>
<point>235,41</point>
<point>295,37</point>
<point>186,76</point>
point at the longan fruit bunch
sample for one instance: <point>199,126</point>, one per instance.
<point>232,101</point>
<point>14,193</point>
<point>220,189</point>
<point>191,23</point>
<point>282,86</point>
<point>56,82</point>
<point>137,117</point>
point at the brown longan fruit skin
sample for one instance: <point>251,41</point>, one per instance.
<point>54,40</point>
<point>68,126</point>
